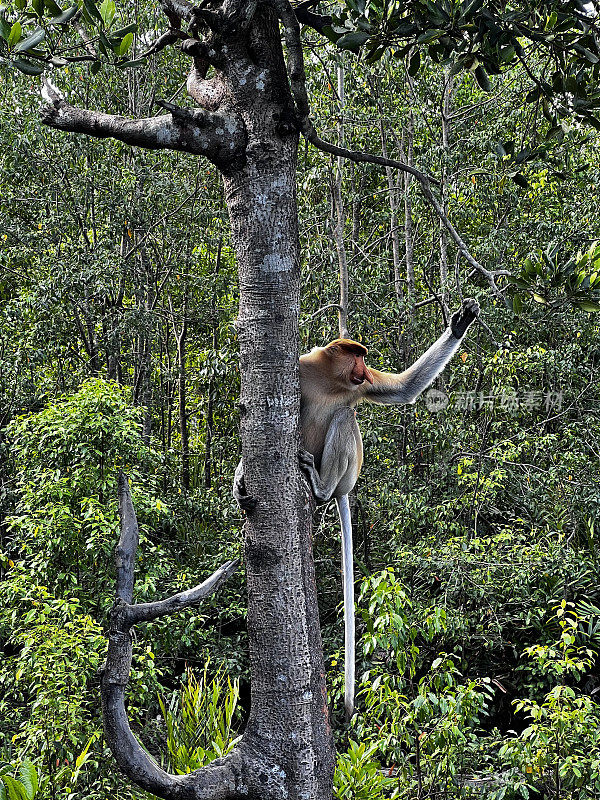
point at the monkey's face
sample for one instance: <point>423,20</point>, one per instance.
<point>359,372</point>
<point>348,366</point>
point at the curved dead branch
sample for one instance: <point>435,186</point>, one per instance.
<point>224,779</point>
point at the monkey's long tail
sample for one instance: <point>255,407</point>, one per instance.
<point>348,573</point>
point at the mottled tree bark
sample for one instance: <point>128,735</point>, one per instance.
<point>338,221</point>
<point>447,92</point>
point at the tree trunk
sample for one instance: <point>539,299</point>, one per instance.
<point>181,340</point>
<point>339,212</point>
<point>393,179</point>
<point>447,92</point>
<point>183,421</point>
<point>288,694</point>
<point>408,221</point>
<point>211,381</point>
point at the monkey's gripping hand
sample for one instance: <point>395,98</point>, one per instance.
<point>461,319</point>
<point>244,500</point>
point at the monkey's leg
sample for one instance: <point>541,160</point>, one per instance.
<point>341,459</point>
<point>244,500</point>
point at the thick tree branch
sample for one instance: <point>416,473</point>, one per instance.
<point>146,612</point>
<point>164,40</point>
<point>176,10</point>
<point>309,133</point>
<point>223,779</point>
<point>219,137</point>
<point>462,247</point>
<point>305,16</point>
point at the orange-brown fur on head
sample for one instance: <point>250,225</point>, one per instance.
<point>349,345</point>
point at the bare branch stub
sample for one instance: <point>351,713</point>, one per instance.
<point>126,549</point>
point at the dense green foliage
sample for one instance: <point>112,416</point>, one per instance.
<point>476,525</point>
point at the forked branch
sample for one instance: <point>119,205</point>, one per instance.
<point>221,780</point>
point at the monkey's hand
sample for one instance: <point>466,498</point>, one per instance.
<point>307,465</point>
<point>461,319</point>
<point>244,500</point>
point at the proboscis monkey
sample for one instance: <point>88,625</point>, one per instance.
<point>333,380</point>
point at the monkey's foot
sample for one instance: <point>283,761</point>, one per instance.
<point>461,319</point>
<point>307,465</point>
<point>245,501</point>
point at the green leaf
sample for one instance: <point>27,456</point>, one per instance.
<point>471,8</point>
<point>15,34</point>
<point>4,29</point>
<point>507,54</point>
<point>353,40</point>
<point>415,63</point>
<point>96,67</point>
<point>90,7</point>
<point>36,37</point>
<point>521,180</point>
<point>16,790</point>
<point>588,305</point>
<point>136,62</point>
<point>430,36</point>
<point>65,16</point>
<point>29,779</point>
<point>38,7</point>
<point>517,304</point>
<point>482,79</point>
<point>52,8</point>
<point>539,299</point>
<point>589,119</point>
<point>125,45</point>
<point>330,33</point>
<point>3,795</point>
<point>119,34</point>
<point>556,132</point>
<point>27,67</point>
<point>108,10</point>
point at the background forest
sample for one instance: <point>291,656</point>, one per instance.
<point>475,515</point>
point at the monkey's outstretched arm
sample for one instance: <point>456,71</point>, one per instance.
<point>390,389</point>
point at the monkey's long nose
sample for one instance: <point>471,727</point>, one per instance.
<point>368,375</point>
